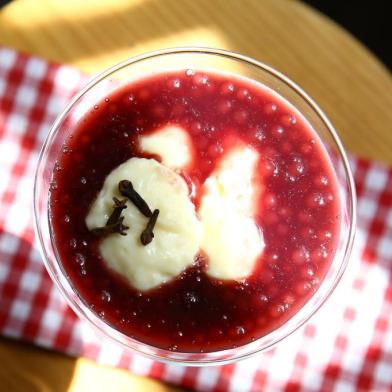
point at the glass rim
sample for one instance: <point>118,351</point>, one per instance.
<point>77,306</point>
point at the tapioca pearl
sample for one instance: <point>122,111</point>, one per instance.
<point>66,150</point>
<point>261,321</point>
<point>80,259</point>
<point>128,99</point>
<point>315,282</point>
<point>200,79</point>
<point>85,139</point>
<point>307,271</point>
<point>317,199</point>
<point>277,131</point>
<point>158,110</point>
<point>259,134</point>
<point>269,152</point>
<point>272,290</point>
<point>215,333</point>
<point>240,116</point>
<point>288,119</point>
<point>210,87</point>
<point>276,311</point>
<point>113,108</point>
<point>296,166</point>
<point>53,185</point>
<point>66,219</point>
<point>272,260</point>
<point>314,164</point>
<point>300,255</point>
<point>285,212</point>
<point>302,287</point>
<point>286,147</point>
<point>199,338</point>
<point>243,94</point>
<point>306,148</point>
<point>174,83</point>
<point>271,218</point>
<point>106,296</point>
<point>270,200</point>
<point>65,199</point>
<point>270,167</point>
<point>203,143</point>
<point>308,232</point>
<point>177,110</point>
<point>260,300</point>
<point>215,150</point>
<point>227,88</point>
<point>321,181</point>
<point>224,106</point>
<point>196,128</point>
<point>270,108</point>
<point>320,254</point>
<point>73,243</point>
<point>282,229</point>
<point>267,276</point>
<point>305,216</point>
<point>288,299</point>
<point>144,94</point>
<point>325,235</point>
<point>140,123</point>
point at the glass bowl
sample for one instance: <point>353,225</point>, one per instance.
<point>218,61</point>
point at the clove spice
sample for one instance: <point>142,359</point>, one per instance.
<point>114,223</point>
<point>147,234</point>
<point>126,189</point>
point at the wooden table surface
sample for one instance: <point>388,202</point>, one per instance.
<point>348,82</point>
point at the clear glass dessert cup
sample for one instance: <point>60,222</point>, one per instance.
<point>217,61</point>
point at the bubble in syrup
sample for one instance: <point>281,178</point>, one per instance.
<point>270,108</point>
<point>67,219</point>
<point>277,310</point>
<point>176,83</point>
<point>105,296</point>
<point>189,72</point>
<point>278,131</point>
<point>73,243</point>
<point>96,107</point>
<point>83,180</point>
<point>301,255</point>
<point>263,298</point>
<point>240,330</point>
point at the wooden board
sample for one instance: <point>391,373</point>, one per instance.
<point>347,81</point>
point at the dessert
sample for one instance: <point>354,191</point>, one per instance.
<point>194,211</point>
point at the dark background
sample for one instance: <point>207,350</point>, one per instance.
<point>367,20</point>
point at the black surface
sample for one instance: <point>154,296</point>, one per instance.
<point>369,21</point>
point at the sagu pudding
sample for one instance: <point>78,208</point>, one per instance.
<point>245,203</point>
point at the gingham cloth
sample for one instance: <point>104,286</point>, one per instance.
<point>347,346</point>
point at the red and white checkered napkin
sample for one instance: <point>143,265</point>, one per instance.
<point>347,345</point>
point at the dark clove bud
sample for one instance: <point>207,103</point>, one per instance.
<point>115,222</point>
<point>119,205</point>
<point>116,227</point>
<point>126,189</point>
<point>147,234</point>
